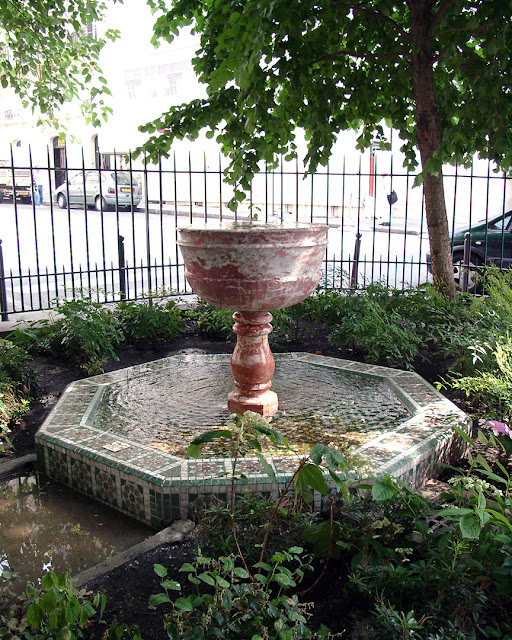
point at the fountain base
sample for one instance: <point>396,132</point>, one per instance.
<point>266,403</point>
<point>121,437</point>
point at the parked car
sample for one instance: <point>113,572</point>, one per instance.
<point>115,188</point>
<point>490,243</point>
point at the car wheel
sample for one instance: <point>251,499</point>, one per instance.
<point>100,204</point>
<point>61,201</point>
<point>473,270</point>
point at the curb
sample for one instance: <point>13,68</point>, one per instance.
<point>174,533</point>
<point>6,468</point>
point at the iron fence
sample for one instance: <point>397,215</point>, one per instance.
<point>128,250</point>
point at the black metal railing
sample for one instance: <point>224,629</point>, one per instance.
<point>115,248</point>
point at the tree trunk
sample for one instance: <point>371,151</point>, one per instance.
<point>428,140</point>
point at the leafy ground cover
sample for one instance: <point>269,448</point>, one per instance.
<point>383,562</point>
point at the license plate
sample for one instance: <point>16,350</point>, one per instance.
<point>125,189</point>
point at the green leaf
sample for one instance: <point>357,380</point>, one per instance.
<point>47,580</point>
<point>470,526</point>
<point>196,633</point>
<point>204,438</point>
<point>160,570</point>
<point>382,491</point>
<point>295,550</point>
<point>302,488</point>
<point>49,602</point>
<point>205,577</point>
<point>239,572</point>
<point>183,604</point>
<point>223,584</point>
<point>463,435</point>
<point>53,619</point>
<point>313,475</point>
<point>72,611</point>
<point>158,598</point>
<point>267,467</point>
<point>171,584</point>
<point>34,615</point>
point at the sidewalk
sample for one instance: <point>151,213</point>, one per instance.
<point>212,214</point>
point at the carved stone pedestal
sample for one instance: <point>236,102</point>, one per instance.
<point>252,365</point>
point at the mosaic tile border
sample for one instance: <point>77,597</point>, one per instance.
<point>157,488</point>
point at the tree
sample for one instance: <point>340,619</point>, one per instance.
<point>437,71</point>
<point>49,56</point>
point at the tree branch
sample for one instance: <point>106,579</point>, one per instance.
<point>439,15</point>
<point>353,54</point>
<point>360,8</point>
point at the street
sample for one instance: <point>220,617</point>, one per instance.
<point>48,240</point>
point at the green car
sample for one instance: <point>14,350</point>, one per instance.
<point>490,243</point>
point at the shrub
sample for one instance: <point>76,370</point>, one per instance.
<point>425,571</point>
<point>252,512</point>
<point>85,331</point>
<point>148,321</point>
<point>489,389</point>
<point>236,606</point>
<point>15,364</point>
<point>53,611</point>
<point>215,322</point>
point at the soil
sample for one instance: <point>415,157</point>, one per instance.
<point>129,587</point>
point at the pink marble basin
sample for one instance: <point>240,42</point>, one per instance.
<point>251,266</point>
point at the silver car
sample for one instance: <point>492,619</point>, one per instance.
<point>115,188</point>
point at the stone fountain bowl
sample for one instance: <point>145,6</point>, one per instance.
<point>251,266</point>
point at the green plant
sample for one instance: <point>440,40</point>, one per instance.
<point>53,611</point>
<point>212,321</point>
<point>389,623</point>
<point>384,336</point>
<point>448,568</point>
<point>218,323</point>
<point>13,404</point>
<point>244,603</point>
<point>85,331</point>
<point>15,364</point>
<point>149,320</point>
<point>229,602</point>
<point>251,514</point>
<point>489,392</point>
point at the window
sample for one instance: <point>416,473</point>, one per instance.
<point>502,223</point>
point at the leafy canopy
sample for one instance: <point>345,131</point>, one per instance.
<point>48,57</point>
<point>325,66</point>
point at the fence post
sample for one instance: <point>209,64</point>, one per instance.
<point>465,268</point>
<point>3,292</point>
<point>122,267</point>
<point>355,265</point>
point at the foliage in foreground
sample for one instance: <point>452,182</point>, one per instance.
<point>88,332</point>
<point>54,610</point>
<point>413,568</point>
<point>48,56</point>
<point>215,322</point>
<point>16,380</point>
<point>235,598</point>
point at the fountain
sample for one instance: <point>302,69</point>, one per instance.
<point>120,437</point>
<point>252,268</point>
